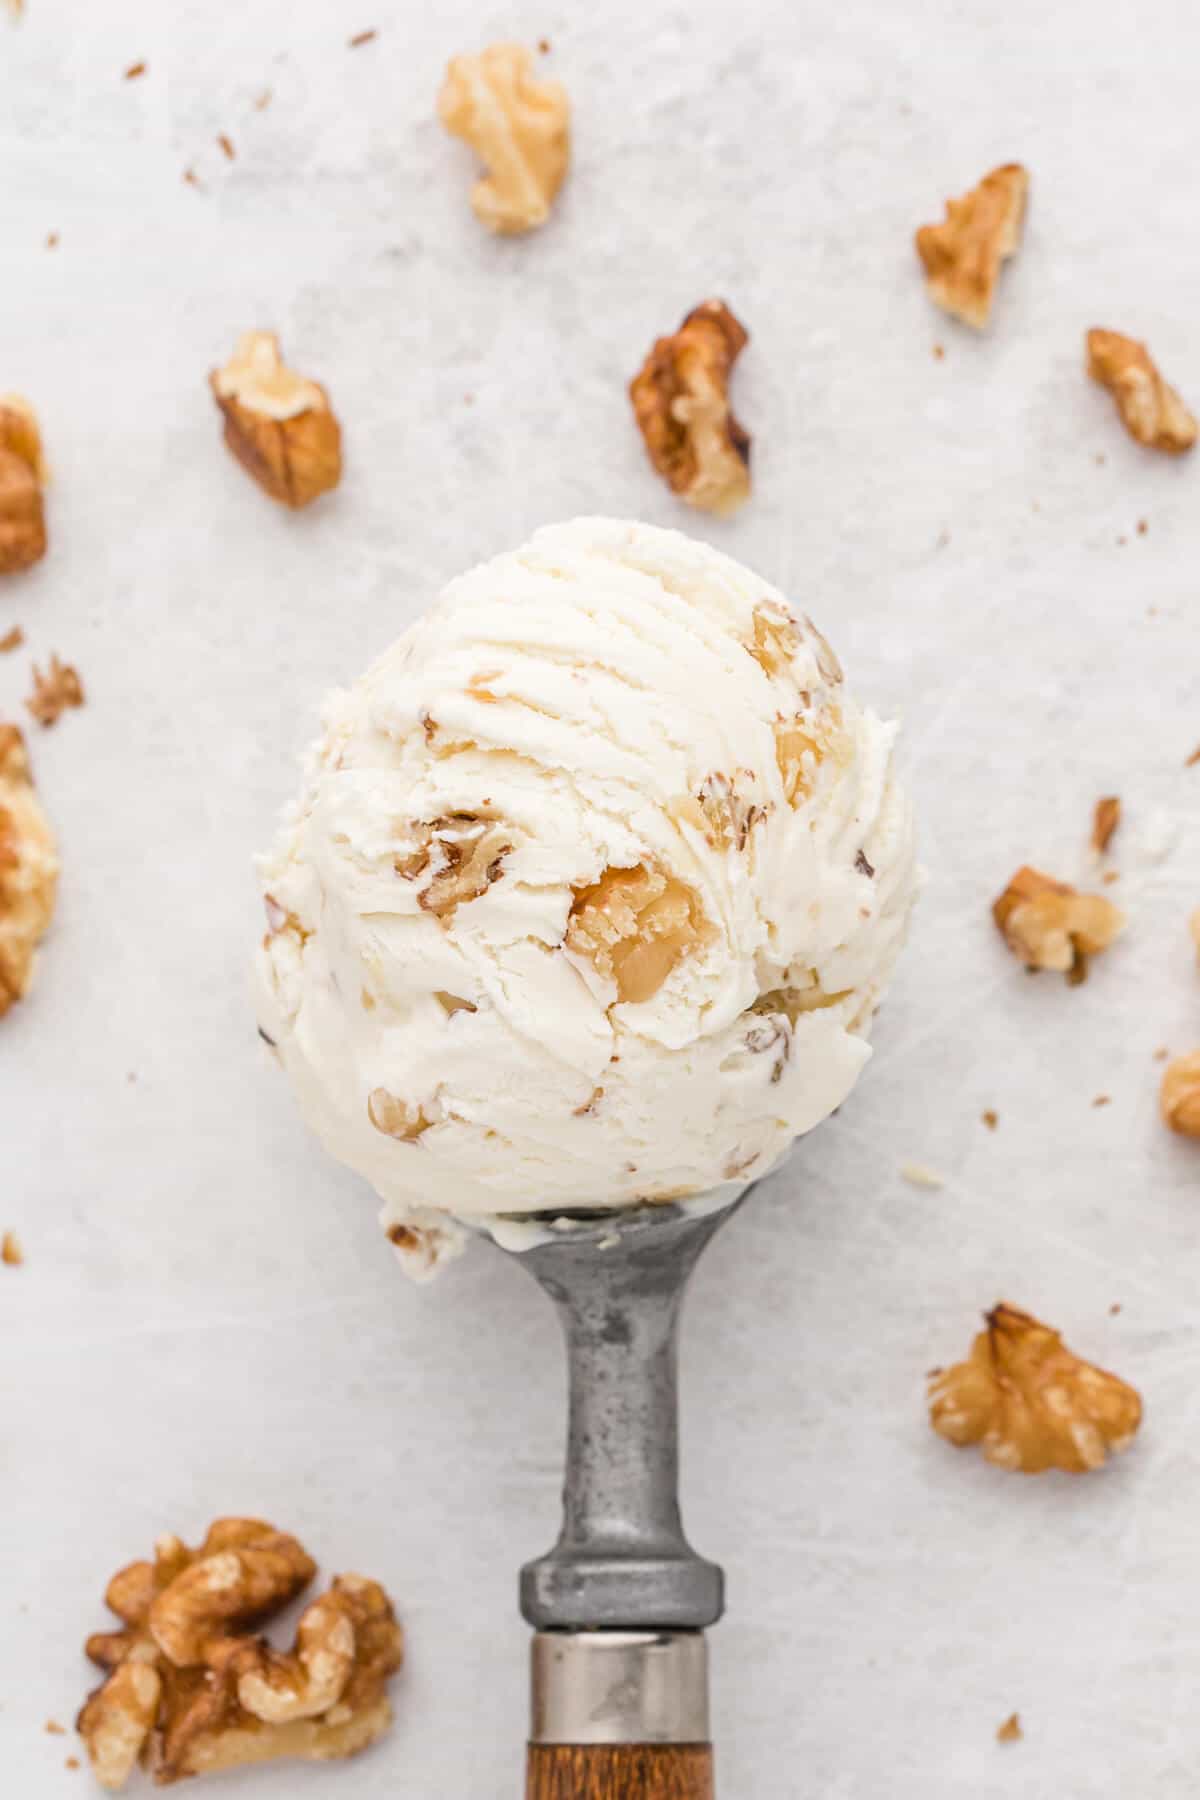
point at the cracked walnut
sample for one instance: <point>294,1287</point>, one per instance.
<point>1030,1402</point>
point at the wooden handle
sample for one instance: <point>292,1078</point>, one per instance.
<point>620,1772</point>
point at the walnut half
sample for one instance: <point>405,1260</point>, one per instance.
<point>191,1689</point>
<point>520,128</point>
<point>1152,411</point>
<point>962,256</point>
<point>1050,926</point>
<point>28,870</point>
<point>22,479</point>
<point>279,426</point>
<point>1030,1402</point>
<point>681,403</point>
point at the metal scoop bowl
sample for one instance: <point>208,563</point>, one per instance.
<point>620,1605</point>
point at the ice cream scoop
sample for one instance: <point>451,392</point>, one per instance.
<point>591,891</point>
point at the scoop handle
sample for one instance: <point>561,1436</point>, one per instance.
<point>619,1715</point>
<point>620,1772</point>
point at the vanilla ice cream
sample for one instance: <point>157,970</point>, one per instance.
<point>591,891</point>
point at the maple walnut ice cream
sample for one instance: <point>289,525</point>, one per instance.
<point>591,891</point>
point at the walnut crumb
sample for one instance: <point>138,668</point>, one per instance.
<point>52,1728</point>
<point>1152,412</point>
<point>991,1118</point>
<point>1010,1732</point>
<point>1030,1402</point>
<point>963,255</point>
<point>54,692</point>
<point>12,640</point>
<point>1050,926</point>
<point>681,402</point>
<point>634,926</point>
<point>1180,1094</point>
<point>520,128</point>
<point>11,1253</point>
<point>279,425</point>
<point>263,100</point>
<point>1193,759</point>
<point>225,144</point>
<point>135,71</point>
<point>1105,820</point>
<point>190,1687</point>
<point>23,476</point>
<point>362,37</point>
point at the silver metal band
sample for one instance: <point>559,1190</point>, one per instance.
<point>619,1687</point>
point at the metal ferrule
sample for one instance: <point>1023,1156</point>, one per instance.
<point>619,1687</point>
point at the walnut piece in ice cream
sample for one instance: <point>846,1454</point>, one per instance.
<point>634,925</point>
<point>681,403</point>
<point>518,126</point>
<point>191,1688</point>
<point>1030,1402</point>
<point>963,255</point>
<point>1051,926</point>
<point>28,870</point>
<point>1180,1095</point>
<point>454,860</point>
<point>1152,411</point>
<point>279,426</point>
<point>22,479</point>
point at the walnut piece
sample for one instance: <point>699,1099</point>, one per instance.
<point>776,639</point>
<point>962,256</point>
<point>28,870</point>
<point>54,692</point>
<point>279,426</point>
<point>1152,412</point>
<point>1050,926</point>
<point>1180,1094</point>
<point>681,403</point>
<point>518,126</point>
<point>1105,819</point>
<point>723,815</point>
<point>1030,1402</point>
<point>395,1118</point>
<point>460,856</point>
<point>634,926</point>
<point>1010,1732</point>
<point>22,478</point>
<point>188,1692</point>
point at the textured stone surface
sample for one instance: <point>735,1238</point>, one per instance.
<point>191,1261</point>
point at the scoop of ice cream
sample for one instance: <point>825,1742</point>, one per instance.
<point>591,891</point>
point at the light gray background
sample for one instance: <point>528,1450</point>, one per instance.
<point>208,1320</point>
